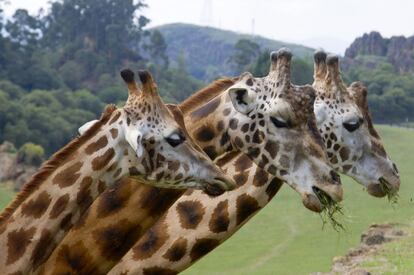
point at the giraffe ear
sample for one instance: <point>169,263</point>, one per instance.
<point>242,98</point>
<point>134,138</point>
<point>85,127</point>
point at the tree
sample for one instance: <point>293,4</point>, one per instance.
<point>246,51</point>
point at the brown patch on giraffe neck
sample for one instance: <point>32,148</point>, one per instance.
<point>73,260</point>
<point>38,206</point>
<point>206,94</point>
<point>68,176</point>
<point>202,247</point>
<point>220,220</point>
<point>115,198</point>
<point>101,143</point>
<point>42,249</point>
<point>152,241</point>
<point>246,206</point>
<point>17,241</point>
<point>100,162</point>
<point>273,187</point>
<point>116,239</point>
<point>59,206</point>
<point>177,250</point>
<point>190,213</point>
<point>84,198</point>
<point>54,162</point>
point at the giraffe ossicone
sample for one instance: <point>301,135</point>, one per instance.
<point>158,151</point>
<point>353,145</point>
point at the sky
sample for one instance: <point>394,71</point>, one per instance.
<point>328,24</point>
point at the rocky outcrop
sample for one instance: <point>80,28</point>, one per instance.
<point>397,50</point>
<point>11,169</point>
<point>371,242</point>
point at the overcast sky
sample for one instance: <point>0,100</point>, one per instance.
<point>330,24</point>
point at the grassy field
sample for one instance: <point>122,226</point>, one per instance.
<point>285,238</point>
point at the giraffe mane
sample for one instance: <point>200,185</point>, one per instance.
<point>206,94</point>
<point>54,162</point>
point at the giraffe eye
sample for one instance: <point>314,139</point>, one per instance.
<point>352,125</point>
<point>175,139</point>
<point>279,123</point>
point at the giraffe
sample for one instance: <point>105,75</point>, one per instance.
<point>142,140</point>
<point>286,150</point>
<point>353,145</point>
<point>176,247</point>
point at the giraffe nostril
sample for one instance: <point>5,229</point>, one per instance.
<point>335,177</point>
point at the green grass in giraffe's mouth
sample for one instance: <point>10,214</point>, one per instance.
<point>330,210</point>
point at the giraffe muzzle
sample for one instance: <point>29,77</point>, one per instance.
<point>219,186</point>
<point>384,187</point>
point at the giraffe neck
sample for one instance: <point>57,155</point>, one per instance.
<point>42,219</point>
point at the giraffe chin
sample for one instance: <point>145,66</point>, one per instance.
<point>311,202</point>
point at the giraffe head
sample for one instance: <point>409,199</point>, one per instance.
<point>343,119</point>
<point>157,137</point>
<point>274,125</point>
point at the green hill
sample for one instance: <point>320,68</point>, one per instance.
<point>206,49</point>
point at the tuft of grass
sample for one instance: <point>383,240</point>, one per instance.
<point>392,195</point>
<point>330,211</point>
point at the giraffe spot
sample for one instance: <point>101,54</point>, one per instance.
<point>206,109</point>
<point>272,147</point>
<point>115,118</point>
<point>202,247</point>
<point>210,151</point>
<point>190,214</point>
<point>220,220</point>
<point>204,134</point>
<point>155,270</point>
<point>233,123</point>
<point>346,168</point>
<point>43,248</point>
<point>17,242</point>
<point>220,126</point>
<point>155,201</point>
<point>377,148</point>
<point>240,178</point>
<point>114,133</point>
<point>66,222</point>
<point>100,162</point>
<point>68,176</point>
<point>151,242</point>
<point>273,187</point>
<point>226,111</point>
<point>102,142</point>
<point>83,197</point>
<point>101,186</point>
<point>225,138</point>
<point>272,169</point>
<point>245,128</point>
<point>73,260</point>
<point>116,239</point>
<point>253,152</point>
<point>333,159</point>
<point>173,165</point>
<point>260,177</point>
<point>257,137</point>
<point>59,206</point>
<point>36,207</point>
<point>246,205</point>
<point>344,153</point>
<point>249,82</point>
<point>113,199</point>
<point>177,251</point>
<point>238,142</point>
<point>243,163</point>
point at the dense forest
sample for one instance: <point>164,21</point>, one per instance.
<point>60,67</point>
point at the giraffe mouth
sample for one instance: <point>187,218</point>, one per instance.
<point>324,198</point>
<point>384,188</point>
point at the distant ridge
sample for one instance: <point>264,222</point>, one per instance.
<point>206,49</point>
